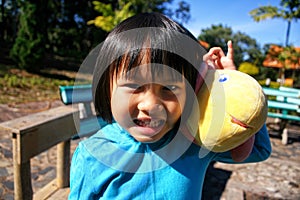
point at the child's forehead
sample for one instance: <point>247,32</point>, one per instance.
<point>153,71</point>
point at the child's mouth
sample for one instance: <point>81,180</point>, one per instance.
<point>149,123</point>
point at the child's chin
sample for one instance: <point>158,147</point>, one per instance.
<point>147,135</point>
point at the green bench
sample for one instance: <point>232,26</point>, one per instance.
<point>284,106</point>
<point>81,95</point>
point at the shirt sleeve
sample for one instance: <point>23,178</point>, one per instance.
<point>261,149</point>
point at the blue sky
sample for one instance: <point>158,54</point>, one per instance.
<point>235,14</point>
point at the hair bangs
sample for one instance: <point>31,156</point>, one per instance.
<point>162,63</point>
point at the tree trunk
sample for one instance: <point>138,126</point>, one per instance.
<point>288,33</point>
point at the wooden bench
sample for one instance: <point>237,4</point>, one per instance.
<point>284,106</point>
<point>36,133</point>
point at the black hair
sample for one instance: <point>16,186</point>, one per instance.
<point>151,35</point>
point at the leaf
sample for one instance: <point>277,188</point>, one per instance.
<point>265,12</point>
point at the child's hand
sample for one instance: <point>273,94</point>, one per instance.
<point>216,58</point>
<point>242,152</point>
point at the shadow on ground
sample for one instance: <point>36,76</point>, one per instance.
<point>215,182</point>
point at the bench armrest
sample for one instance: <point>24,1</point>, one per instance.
<point>38,132</point>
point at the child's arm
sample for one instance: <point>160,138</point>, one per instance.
<point>261,149</point>
<point>216,59</point>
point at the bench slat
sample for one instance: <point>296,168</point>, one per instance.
<point>283,105</point>
<point>76,94</point>
<point>288,89</point>
<point>288,100</point>
<point>276,92</point>
<point>284,116</point>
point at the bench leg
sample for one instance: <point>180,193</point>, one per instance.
<point>63,164</point>
<point>284,136</point>
<point>22,176</point>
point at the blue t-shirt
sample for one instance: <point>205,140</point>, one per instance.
<point>113,165</point>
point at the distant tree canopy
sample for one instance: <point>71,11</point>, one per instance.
<point>245,48</point>
<point>249,68</point>
<point>289,10</point>
<point>114,12</point>
<point>29,47</point>
<point>33,30</point>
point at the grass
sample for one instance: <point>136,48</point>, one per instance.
<point>19,86</point>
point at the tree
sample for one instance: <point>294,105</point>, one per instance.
<point>7,22</point>
<point>245,48</point>
<point>290,59</point>
<point>67,32</point>
<point>111,16</point>
<point>249,68</point>
<point>51,30</point>
<point>113,12</point>
<point>29,47</point>
<point>290,10</point>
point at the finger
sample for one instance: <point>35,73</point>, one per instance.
<point>230,50</point>
<point>207,58</point>
<point>217,51</point>
<point>219,64</point>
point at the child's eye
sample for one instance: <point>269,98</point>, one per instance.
<point>170,87</point>
<point>134,87</point>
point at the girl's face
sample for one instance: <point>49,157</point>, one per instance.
<point>147,105</point>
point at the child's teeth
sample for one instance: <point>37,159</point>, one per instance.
<point>151,124</point>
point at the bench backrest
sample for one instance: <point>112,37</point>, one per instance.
<point>76,94</point>
<point>283,93</point>
<point>284,98</point>
<point>82,95</point>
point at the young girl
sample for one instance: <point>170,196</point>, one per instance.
<point>143,86</point>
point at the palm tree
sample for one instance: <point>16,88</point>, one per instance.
<point>289,10</point>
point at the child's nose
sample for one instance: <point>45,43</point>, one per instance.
<point>150,103</point>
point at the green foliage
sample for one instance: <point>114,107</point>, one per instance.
<point>289,56</point>
<point>31,29</point>
<point>18,86</point>
<point>264,12</point>
<point>289,10</point>
<point>110,18</point>
<point>245,48</point>
<point>23,82</point>
<point>249,68</point>
<point>29,47</point>
<point>115,11</point>
<point>267,72</point>
<point>273,84</point>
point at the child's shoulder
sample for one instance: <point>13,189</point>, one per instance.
<point>112,136</point>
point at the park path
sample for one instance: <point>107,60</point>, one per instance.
<point>276,178</point>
